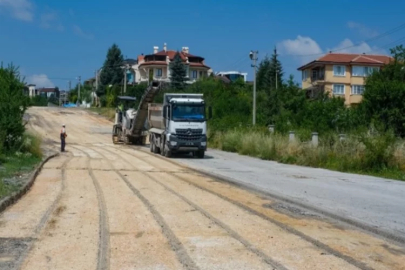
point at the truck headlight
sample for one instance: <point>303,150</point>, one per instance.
<point>173,143</point>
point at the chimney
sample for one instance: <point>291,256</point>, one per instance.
<point>165,46</point>
<point>185,49</point>
<point>155,49</point>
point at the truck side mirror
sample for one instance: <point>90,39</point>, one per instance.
<point>209,112</point>
<point>165,112</point>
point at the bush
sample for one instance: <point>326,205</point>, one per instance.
<point>362,153</point>
<point>13,104</point>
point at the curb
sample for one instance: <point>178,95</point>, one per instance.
<point>15,196</point>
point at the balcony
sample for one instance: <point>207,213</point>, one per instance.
<point>317,75</point>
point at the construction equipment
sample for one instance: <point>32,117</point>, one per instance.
<point>179,125</point>
<point>130,126</point>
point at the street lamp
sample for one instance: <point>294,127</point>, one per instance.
<point>253,57</point>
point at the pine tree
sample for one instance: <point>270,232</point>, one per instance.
<point>262,73</point>
<point>268,69</point>
<point>112,72</point>
<point>275,70</point>
<point>178,73</point>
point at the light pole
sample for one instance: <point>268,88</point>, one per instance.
<point>253,57</point>
<point>78,98</point>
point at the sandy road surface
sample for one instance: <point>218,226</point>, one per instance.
<point>105,206</point>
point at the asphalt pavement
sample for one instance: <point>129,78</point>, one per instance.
<point>372,201</point>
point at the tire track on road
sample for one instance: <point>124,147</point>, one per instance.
<point>231,232</point>
<point>43,221</point>
<point>174,242</point>
<point>281,225</point>
<point>267,259</point>
<point>103,256</point>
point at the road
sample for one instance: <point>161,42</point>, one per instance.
<point>105,206</point>
<point>370,201</point>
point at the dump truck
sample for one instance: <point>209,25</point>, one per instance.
<point>130,125</point>
<point>179,125</point>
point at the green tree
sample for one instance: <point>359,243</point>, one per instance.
<point>384,95</point>
<point>178,73</point>
<point>112,72</point>
<point>270,73</point>
<point>13,104</point>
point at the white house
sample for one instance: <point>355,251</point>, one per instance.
<point>233,75</point>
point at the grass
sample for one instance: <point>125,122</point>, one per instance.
<point>17,163</point>
<point>379,155</point>
<point>109,113</point>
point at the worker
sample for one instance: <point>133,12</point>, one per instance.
<point>63,136</point>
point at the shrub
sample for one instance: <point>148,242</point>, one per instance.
<point>13,104</point>
<point>374,153</point>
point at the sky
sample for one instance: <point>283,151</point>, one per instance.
<point>53,42</point>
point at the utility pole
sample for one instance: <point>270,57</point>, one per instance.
<point>78,98</point>
<point>253,57</point>
<point>70,87</point>
<point>95,89</point>
<point>125,78</point>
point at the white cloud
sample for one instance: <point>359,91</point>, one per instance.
<point>19,9</point>
<point>50,20</point>
<point>362,29</point>
<point>78,31</point>
<point>306,49</point>
<point>347,46</point>
<point>299,46</point>
<point>40,80</point>
<point>303,47</point>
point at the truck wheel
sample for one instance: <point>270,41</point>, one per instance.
<point>165,151</point>
<point>152,147</point>
<point>168,153</point>
<point>155,149</point>
<point>200,154</point>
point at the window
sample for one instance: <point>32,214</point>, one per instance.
<point>201,74</point>
<point>158,72</point>
<point>361,71</point>
<point>187,71</point>
<point>358,71</point>
<point>357,89</point>
<point>304,75</point>
<point>339,71</point>
<point>194,74</point>
<point>370,70</point>
<point>339,89</point>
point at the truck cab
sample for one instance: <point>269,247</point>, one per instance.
<point>179,124</point>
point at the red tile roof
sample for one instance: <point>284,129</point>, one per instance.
<point>350,59</point>
<point>171,55</point>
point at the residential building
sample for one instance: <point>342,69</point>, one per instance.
<point>341,74</point>
<point>156,65</point>
<point>30,90</point>
<point>233,75</point>
<point>49,92</point>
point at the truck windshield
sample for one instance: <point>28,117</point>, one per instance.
<point>188,112</point>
